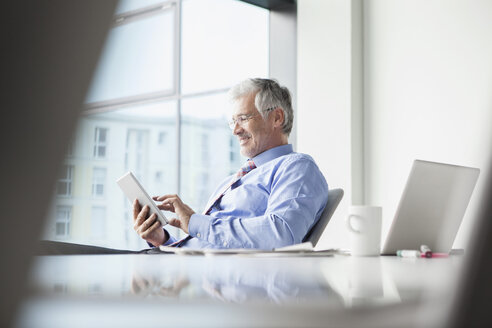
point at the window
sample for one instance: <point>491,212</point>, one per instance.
<point>98,181</point>
<point>223,42</point>
<point>64,185</point>
<point>162,138</point>
<point>138,59</point>
<point>136,151</point>
<point>233,155</point>
<point>100,140</point>
<point>157,106</point>
<point>62,223</point>
<point>98,222</point>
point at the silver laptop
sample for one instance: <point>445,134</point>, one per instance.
<point>431,207</point>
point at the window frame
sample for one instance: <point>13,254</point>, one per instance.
<point>165,95</point>
<point>96,182</point>
<point>128,18</point>
<point>98,143</point>
<point>68,180</point>
<point>112,105</point>
<point>66,220</point>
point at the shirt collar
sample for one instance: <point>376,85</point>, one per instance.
<point>272,153</point>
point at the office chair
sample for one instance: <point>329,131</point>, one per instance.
<point>334,198</point>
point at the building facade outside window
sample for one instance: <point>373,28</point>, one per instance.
<point>98,181</point>
<point>64,184</point>
<point>100,142</point>
<point>63,218</point>
<point>162,138</point>
<point>136,157</point>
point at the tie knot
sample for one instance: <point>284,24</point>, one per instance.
<point>245,169</point>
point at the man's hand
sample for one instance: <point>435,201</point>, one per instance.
<point>174,204</point>
<point>148,227</point>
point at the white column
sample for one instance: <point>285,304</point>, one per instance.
<point>329,105</point>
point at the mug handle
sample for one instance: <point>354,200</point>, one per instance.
<point>349,225</point>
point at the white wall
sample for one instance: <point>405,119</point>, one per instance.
<point>427,91</point>
<point>282,57</point>
<point>324,98</point>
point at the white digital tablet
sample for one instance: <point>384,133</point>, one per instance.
<point>134,190</point>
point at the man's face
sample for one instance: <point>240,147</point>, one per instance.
<point>256,134</point>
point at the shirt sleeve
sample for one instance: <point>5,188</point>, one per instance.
<point>298,195</point>
<point>168,242</point>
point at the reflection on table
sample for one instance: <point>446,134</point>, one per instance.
<point>339,282</point>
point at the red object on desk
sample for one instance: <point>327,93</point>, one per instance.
<point>435,255</point>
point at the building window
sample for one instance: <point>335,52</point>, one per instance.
<point>98,181</point>
<point>62,223</point>
<point>98,222</point>
<point>136,151</point>
<point>232,150</point>
<point>100,142</point>
<point>64,185</point>
<point>162,138</point>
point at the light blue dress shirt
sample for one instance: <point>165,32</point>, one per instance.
<point>272,206</point>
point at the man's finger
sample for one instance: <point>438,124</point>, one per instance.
<point>175,223</point>
<point>151,229</point>
<point>136,209</point>
<point>164,197</point>
<point>157,224</point>
<point>166,207</point>
<point>142,215</point>
<point>148,222</point>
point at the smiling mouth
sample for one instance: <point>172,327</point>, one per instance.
<point>243,140</point>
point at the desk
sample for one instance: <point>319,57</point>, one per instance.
<point>228,291</point>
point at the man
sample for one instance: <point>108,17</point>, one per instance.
<point>274,200</point>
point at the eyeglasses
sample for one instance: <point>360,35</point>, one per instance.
<point>242,119</point>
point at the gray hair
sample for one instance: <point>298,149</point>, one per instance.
<point>269,95</point>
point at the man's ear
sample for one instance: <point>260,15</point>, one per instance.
<point>278,118</point>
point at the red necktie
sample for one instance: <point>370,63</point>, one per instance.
<point>245,169</point>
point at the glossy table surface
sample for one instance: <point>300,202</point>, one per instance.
<point>227,290</point>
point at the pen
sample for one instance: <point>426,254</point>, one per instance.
<point>434,255</point>
<point>408,253</point>
<point>426,251</point>
<point>415,253</point>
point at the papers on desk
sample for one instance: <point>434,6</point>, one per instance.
<point>298,250</point>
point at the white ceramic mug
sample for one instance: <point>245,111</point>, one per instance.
<point>364,225</point>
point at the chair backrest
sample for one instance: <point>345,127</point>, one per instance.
<point>334,198</point>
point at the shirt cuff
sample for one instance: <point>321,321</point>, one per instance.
<point>199,226</point>
<point>170,240</point>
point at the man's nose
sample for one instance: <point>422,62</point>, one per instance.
<point>237,128</point>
